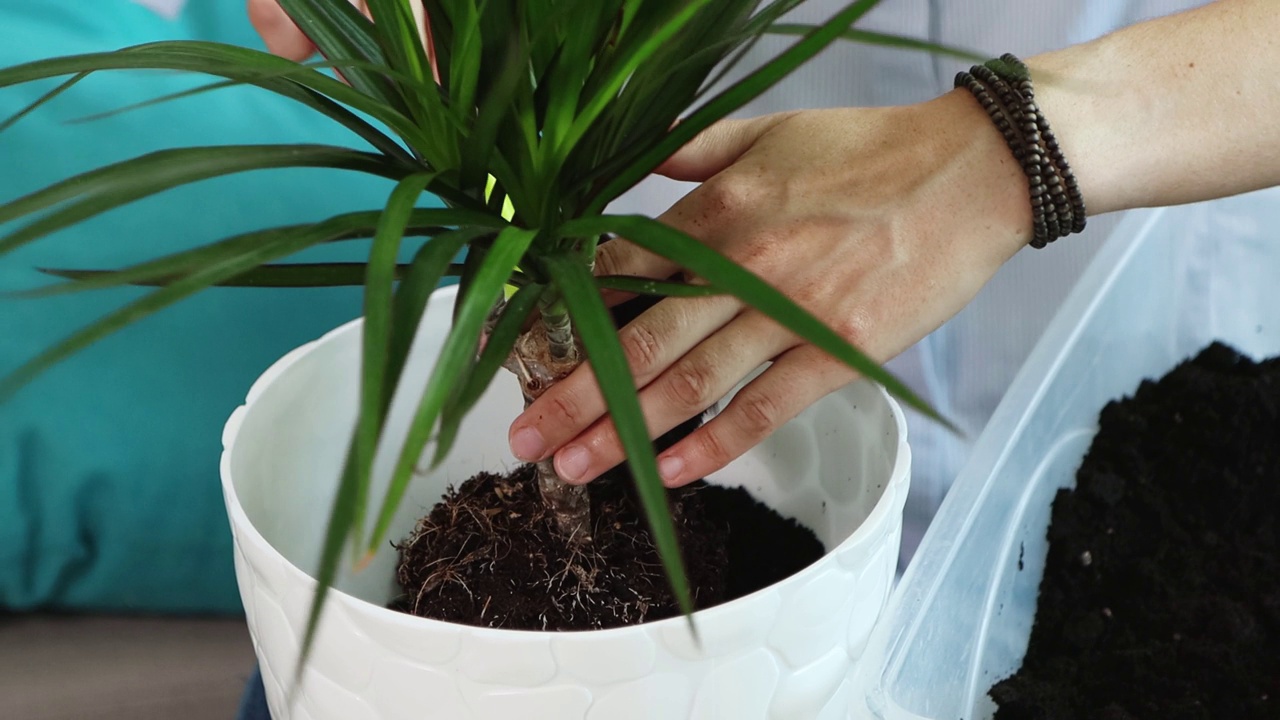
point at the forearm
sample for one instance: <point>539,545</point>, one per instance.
<point>1178,109</point>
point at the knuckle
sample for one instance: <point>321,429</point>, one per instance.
<point>609,258</point>
<point>566,408</point>
<point>713,450</point>
<point>641,346</point>
<point>691,386</point>
<point>726,194</point>
<point>856,327</point>
<point>758,416</point>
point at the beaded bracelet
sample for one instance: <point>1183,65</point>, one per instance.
<point>1003,88</point>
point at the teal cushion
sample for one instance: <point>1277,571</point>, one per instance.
<point>109,490</point>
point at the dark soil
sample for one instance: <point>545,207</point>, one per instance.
<point>489,554</point>
<point>1161,594</point>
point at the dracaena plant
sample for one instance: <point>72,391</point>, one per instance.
<point>526,118</point>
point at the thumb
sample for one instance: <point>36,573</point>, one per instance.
<point>717,147</point>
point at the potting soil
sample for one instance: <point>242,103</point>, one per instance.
<point>1161,593</point>
<point>490,555</point>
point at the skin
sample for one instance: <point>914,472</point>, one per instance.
<point>885,222</point>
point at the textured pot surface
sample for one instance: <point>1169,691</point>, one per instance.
<point>841,468</point>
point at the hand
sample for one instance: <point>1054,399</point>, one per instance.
<point>882,222</point>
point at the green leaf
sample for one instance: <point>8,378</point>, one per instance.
<point>378,294</point>
<point>169,268</point>
<point>458,351</point>
<point>720,106</point>
<point>497,348</point>
<point>340,32</point>
<point>753,31</point>
<point>600,339</point>
<point>619,76</point>
<point>61,88</point>
<point>337,533</point>
<point>466,54</point>
<point>649,286</point>
<point>870,37</point>
<point>424,272</point>
<point>252,66</point>
<point>723,273</point>
<point>397,31</point>
<point>429,264</point>
<point>271,245</point>
<point>479,147</point>
<point>282,86</point>
<point>291,275</point>
<point>121,183</point>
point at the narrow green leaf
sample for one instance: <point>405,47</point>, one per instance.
<point>424,272</point>
<point>279,83</point>
<point>429,264</point>
<point>458,351</point>
<point>378,294</point>
<point>477,250</point>
<point>723,273</point>
<point>291,275</point>
<point>870,37</point>
<point>753,31</point>
<point>43,99</point>
<point>465,52</point>
<point>600,338</point>
<point>340,32</point>
<point>169,268</point>
<point>273,244</point>
<point>720,106</point>
<point>608,92</point>
<point>497,347</point>
<point>121,183</point>
<point>489,120</point>
<point>336,535</point>
<point>230,62</point>
<point>396,28</point>
<point>649,286</point>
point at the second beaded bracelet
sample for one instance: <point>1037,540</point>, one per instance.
<point>1003,87</point>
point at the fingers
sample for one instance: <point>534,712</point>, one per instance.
<point>281,36</point>
<point>651,343</point>
<point>690,386</point>
<point>716,148</point>
<point>796,380</point>
<point>619,257</point>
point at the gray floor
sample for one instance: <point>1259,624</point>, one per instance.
<point>94,668</point>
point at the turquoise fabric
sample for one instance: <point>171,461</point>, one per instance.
<point>109,491</point>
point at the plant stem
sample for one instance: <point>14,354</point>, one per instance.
<point>543,356</point>
<point>560,333</point>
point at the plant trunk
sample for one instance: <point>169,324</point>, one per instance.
<point>544,355</point>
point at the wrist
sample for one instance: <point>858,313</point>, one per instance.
<point>1098,154</point>
<point>988,188</point>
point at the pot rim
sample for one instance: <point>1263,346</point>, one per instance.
<point>892,498</point>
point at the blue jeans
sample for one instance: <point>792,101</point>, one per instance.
<point>253,705</point>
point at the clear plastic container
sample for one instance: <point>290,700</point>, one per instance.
<point>1165,284</point>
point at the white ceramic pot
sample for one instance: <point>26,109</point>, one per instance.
<point>786,651</point>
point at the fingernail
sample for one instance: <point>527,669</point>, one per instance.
<point>572,463</point>
<point>670,468</point>
<point>527,444</point>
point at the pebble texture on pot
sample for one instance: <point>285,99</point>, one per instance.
<point>841,468</point>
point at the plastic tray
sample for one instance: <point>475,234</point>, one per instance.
<point>1164,284</point>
